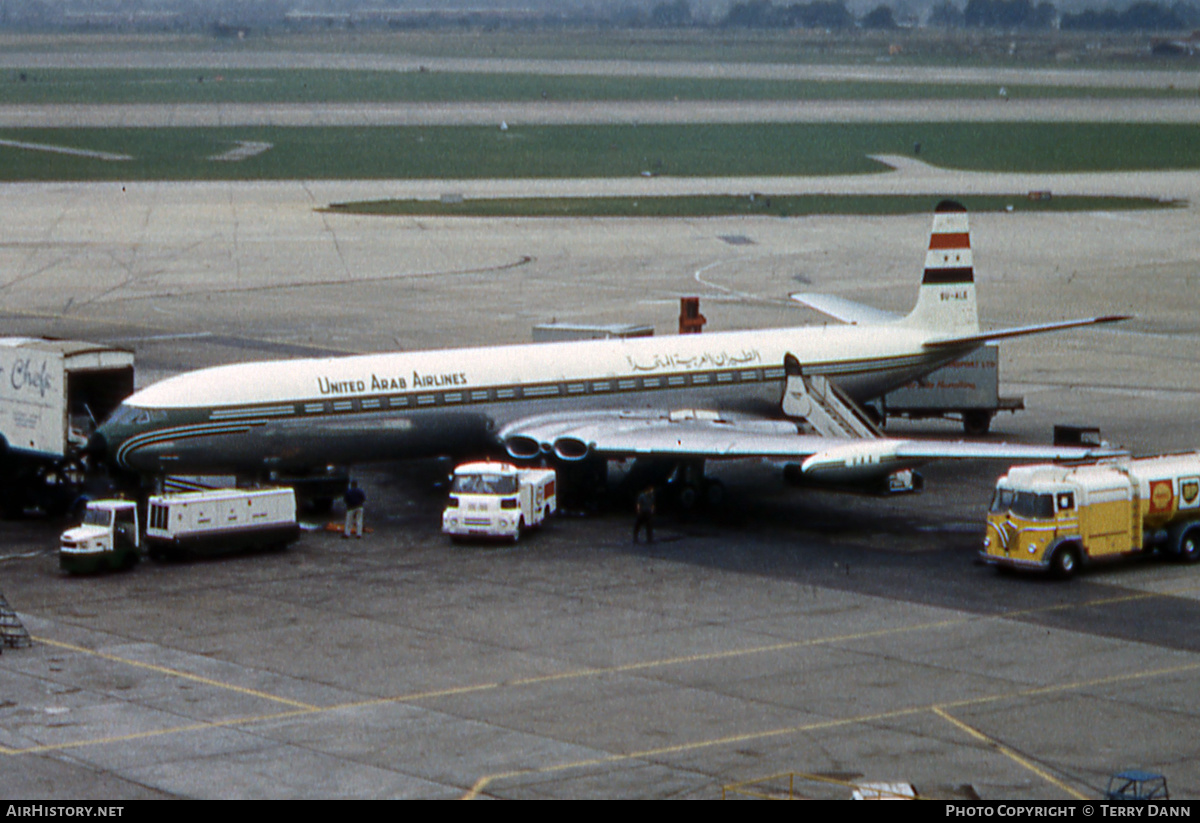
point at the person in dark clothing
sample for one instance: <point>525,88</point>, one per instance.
<point>354,500</point>
<point>645,515</point>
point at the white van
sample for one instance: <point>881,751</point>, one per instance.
<point>498,500</point>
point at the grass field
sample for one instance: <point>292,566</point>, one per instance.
<point>910,47</point>
<point>768,149</point>
<point>764,205</point>
<point>180,86</point>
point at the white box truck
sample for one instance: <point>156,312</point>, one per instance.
<point>498,500</point>
<point>53,393</point>
<point>968,388</point>
<point>217,521</point>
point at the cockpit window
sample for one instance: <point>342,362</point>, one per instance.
<point>1023,504</point>
<point>133,416</point>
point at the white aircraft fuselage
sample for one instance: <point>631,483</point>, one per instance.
<point>565,398</point>
<point>298,414</point>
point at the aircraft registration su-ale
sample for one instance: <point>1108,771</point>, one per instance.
<point>788,395</point>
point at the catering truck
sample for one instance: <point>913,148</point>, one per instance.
<point>53,393</point>
<point>1056,518</point>
<point>967,389</point>
<point>217,521</point>
<point>498,500</point>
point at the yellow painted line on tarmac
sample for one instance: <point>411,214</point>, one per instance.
<point>678,748</point>
<point>208,681</point>
<point>735,653</point>
<point>204,725</point>
<point>412,697</point>
<point>625,668</point>
<point>483,782</point>
<point>1009,753</point>
<point>305,708</point>
<point>1034,691</point>
<point>1100,601</point>
<point>575,674</point>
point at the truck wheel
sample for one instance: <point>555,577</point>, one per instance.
<point>1189,546</point>
<point>319,505</point>
<point>714,493</point>
<point>1065,562</point>
<point>977,422</point>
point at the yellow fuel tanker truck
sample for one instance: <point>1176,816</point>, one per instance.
<point>1055,518</point>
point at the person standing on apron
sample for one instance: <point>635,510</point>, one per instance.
<point>354,500</point>
<point>645,515</point>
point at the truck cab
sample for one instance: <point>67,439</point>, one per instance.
<point>1053,518</point>
<point>108,538</point>
<point>490,499</point>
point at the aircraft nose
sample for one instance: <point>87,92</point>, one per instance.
<point>97,446</point>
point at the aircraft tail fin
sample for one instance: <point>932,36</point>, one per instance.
<point>946,302</point>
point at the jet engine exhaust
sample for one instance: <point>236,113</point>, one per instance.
<point>571,449</point>
<point>521,447</point>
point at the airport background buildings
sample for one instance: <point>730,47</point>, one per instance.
<point>235,18</point>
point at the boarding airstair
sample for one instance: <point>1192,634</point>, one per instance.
<point>13,634</point>
<point>826,408</point>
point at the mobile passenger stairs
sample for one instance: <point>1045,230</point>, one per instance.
<point>825,407</point>
<point>13,635</point>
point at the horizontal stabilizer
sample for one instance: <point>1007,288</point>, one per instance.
<point>1021,331</point>
<point>847,311</point>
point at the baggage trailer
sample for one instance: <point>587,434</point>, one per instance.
<point>53,394</point>
<point>220,521</point>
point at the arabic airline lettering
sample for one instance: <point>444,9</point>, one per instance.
<point>601,396</point>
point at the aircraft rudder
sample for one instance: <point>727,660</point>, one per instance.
<point>946,300</point>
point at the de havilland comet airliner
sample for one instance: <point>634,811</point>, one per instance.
<point>723,395</point>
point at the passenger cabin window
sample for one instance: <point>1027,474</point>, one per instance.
<point>1066,501</point>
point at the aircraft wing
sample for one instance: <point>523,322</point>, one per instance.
<point>686,433</point>
<point>712,436</point>
<point>848,311</point>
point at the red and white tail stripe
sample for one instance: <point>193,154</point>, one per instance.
<point>946,299</point>
<point>949,257</point>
